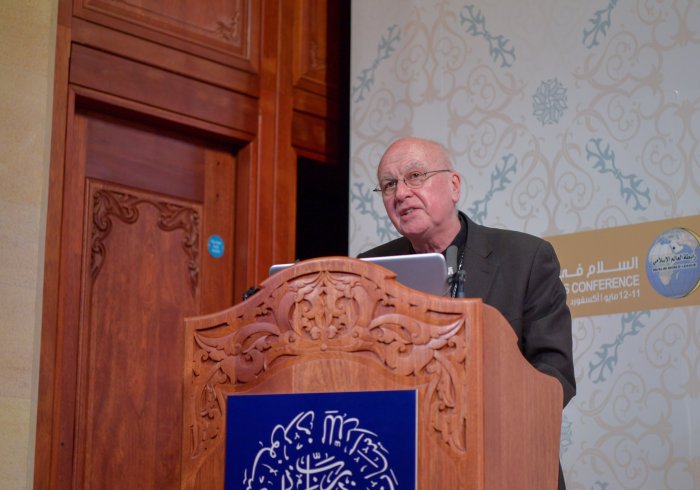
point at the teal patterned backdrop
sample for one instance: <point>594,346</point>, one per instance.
<point>562,116</point>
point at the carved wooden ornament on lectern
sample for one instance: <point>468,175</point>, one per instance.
<point>338,324</point>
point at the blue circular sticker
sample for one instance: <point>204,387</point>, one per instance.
<point>215,245</point>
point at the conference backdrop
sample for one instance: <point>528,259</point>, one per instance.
<point>578,122</point>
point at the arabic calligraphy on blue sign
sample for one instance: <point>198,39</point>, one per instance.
<point>322,441</point>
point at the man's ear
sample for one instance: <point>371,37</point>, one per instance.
<point>455,186</point>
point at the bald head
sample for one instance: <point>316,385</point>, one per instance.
<point>432,149</point>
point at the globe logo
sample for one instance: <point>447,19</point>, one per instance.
<point>672,264</point>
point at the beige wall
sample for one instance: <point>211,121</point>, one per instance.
<point>27,43</point>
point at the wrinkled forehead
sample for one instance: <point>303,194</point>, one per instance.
<point>389,172</point>
<point>399,161</point>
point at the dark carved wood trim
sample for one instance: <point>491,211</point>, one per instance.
<point>231,29</point>
<point>124,206</point>
<point>229,36</point>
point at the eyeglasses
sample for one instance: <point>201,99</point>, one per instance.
<point>414,180</point>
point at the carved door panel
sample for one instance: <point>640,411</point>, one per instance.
<point>152,198</point>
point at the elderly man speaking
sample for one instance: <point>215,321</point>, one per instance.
<point>514,272</point>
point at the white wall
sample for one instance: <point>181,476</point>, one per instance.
<point>563,116</point>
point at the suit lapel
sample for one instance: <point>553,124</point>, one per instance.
<point>480,270</point>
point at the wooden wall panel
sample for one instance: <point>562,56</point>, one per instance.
<point>170,59</point>
<point>149,85</point>
<point>311,56</point>
<point>273,151</point>
<point>115,150</point>
<point>201,105</point>
<point>220,188</point>
<point>316,138</point>
<point>223,30</point>
<point>142,279</point>
<point>321,36</point>
<point>320,62</point>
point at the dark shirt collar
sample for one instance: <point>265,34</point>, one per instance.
<point>461,239</point>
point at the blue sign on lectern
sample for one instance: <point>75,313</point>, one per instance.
<point>329,441</point>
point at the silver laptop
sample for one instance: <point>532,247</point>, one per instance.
<point>422,272</point>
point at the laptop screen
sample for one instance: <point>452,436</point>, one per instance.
<point>423,272</point>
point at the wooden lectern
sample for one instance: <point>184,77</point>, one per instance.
<point>486,418</point>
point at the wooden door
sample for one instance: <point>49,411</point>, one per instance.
<point>153,198</point>
<point>174,123</point>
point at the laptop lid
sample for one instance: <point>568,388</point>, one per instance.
<point>423,272</point>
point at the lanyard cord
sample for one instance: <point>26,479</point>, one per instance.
<point>457,279</point>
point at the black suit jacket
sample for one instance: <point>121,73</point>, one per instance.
<point>518,274</point>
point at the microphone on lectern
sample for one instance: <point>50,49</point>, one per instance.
<point>455,277</point>
<point>451,259</point>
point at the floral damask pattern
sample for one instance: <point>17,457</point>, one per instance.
<point>499,181</point>
<point>366,78</point>
<point>635,414</point>
<point>608,354</point>
<point>632,188</point>
<point>549,102</point>
<point>624,148</point>
<point>499,46</point>
<point>601,21</point>
<point>365,204</point>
